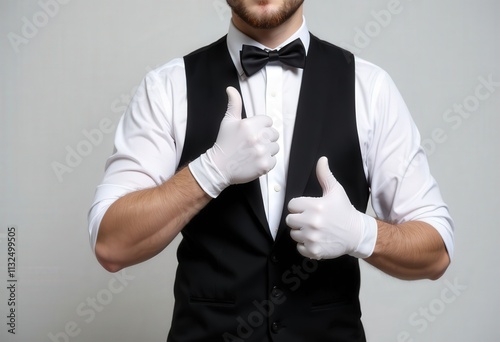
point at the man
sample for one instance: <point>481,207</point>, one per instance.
<point>271,237</point>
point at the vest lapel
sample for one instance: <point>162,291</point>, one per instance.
<point>308,125</point>
<point>323,105</point>
<point>207,79</point>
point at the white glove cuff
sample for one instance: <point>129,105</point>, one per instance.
<point>208,175</point>
<point>369,238</point>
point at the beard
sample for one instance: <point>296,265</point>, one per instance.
<point>267,20</point>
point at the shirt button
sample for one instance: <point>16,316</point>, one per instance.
<point>273,94</point>
<point>277,187</point>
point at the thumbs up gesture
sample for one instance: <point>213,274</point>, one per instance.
<point>244,150</point>
<point>329,226</point>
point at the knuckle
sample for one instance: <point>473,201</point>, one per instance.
<point>315,250</point>
<point>315,223</point>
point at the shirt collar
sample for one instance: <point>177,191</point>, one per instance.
<point>236,38</point>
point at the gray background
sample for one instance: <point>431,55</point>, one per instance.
<point>73,73</point>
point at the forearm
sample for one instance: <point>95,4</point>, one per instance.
<point>409,251</point>
<point>141,224</point>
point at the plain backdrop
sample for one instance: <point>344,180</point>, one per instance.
<point>67,71</point>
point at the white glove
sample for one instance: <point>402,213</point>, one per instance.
<point>328,227</point>
<point>243,151</point>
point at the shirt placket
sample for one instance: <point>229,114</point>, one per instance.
<point>275,178</point>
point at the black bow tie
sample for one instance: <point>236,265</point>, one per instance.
<point>253,58</point>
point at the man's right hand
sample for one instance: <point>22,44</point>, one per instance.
<point>244,150</point>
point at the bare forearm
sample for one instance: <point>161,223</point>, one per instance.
<point>409,251</point>
<point>141,224</point>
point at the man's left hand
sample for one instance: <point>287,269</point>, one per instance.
<point>329,226</point>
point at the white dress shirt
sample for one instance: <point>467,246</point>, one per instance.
<point>150,136</point>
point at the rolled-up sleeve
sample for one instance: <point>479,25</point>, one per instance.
<point>402,187</point>
<point>146,145</point>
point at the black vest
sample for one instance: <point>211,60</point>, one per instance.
<point>233,281</point>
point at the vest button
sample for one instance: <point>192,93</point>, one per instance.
<point>275,327</point>
<point>274,258</point>
<point>276,292</point>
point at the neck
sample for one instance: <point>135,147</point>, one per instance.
<point>270,37</point>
